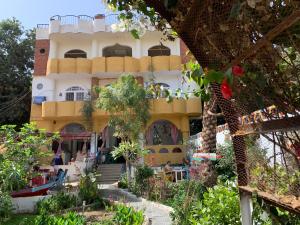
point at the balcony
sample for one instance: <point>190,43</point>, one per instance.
<point>72,109</point>
<point>100,65</point>
<point>77,24</point>
<point>191,107</point>
<point>156,158</point>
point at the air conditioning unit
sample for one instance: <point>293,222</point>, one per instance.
<point>38,99</point>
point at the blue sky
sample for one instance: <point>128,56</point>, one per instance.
<point>32,12</point>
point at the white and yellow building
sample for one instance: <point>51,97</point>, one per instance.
<point>75,53</point>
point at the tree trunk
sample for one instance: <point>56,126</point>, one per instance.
<point>239,146</point>
<point>209,123</point>
<point>209,141</point>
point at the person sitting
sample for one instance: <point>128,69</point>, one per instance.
<point>80,156</point>
<point>186,167</point>
<point>169,171</point>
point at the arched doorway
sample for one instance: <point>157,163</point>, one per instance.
<point>107,142</point>
<point>75,139</point>
<point>163,132</point>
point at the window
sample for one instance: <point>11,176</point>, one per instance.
<point>162,132</point>
<point>42,51</point>
<point>159,50</point>
<point>117,50</point>
<point>76,53</point>
<point>69,96</point>
<point>75,94</point>
<point>73,128</point>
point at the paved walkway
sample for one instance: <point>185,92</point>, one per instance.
<point>158,213</point>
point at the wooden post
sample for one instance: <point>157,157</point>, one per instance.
<point>246,208</point>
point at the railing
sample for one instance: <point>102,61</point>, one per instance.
<point>112,19</point>
<point>42,26</point>
<point>71,19</point>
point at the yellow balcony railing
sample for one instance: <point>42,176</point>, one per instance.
<point>161,154</point>
<point>158,107</point>
<point>113,64</point>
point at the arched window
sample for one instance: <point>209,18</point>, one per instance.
<point>117,50</point>
<point>75,53</point>
<point>177,150</point>
<point>159,50</point>
<point>75,93</point>
<point>73,128</point>
<point>162,132</point>
<point>163,150</point>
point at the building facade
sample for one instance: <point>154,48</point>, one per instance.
<point>73,54</point>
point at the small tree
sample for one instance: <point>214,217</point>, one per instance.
<point>20,151</point>
<point>128,107</point>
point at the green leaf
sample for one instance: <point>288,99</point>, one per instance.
<point>229,77</point>
<point>235,10</point>
<point>215,76</point>
<point>135,34</point>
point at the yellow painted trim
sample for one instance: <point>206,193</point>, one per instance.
<point>114,64</point>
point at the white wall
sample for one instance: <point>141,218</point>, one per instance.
<point>175,80</point>
<point>47,89</point>
<point>63,84</point>
<point>69,41</point>
<point>151,39</point>
<point>68,44</point>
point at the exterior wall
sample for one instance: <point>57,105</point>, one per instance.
<point>47,90</point>
<point>151,39</point>
<point>113,65</point>
<point>62,85</point>
<point>40,58</point>
<point>67,44</point>
<point>95,44</point>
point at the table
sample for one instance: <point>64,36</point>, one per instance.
<point>180,173</point>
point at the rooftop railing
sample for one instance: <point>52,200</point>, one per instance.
<point>43,26</point>
<point>71,19</point>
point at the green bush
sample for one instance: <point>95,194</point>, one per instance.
<point>5,206</point>
<point>70,218</point>
<point>127,216</point>
<point>182,197</point>
<point>123,182</point>
<point>141,180</point>
<point>56,203</point>
<point>220,205</point>
<point>88,190</point>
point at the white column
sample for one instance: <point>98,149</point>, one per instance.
<point>94,49</point>
<point>53,49</point>
<point>138,49</point>
<point>177,47</point>
<point>246,208</point>
<point>93,149</point>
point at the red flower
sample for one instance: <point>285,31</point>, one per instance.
<point>226,90</point>
<point>237,71</point>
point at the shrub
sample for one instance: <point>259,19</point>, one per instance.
<point>56,203</point>
<point>141,181</point>
<point>127,216</point>
<point>88,190</point>
<point>70,218</point>
<point>220,205</point>
<point>5,206</point>
<point>123,182</point>
<point>183,197</point>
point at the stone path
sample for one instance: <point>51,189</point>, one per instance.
<point>159,214</point>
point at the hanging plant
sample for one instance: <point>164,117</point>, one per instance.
<point>87,112</point>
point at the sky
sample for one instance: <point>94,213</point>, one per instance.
<point>33,12</point>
